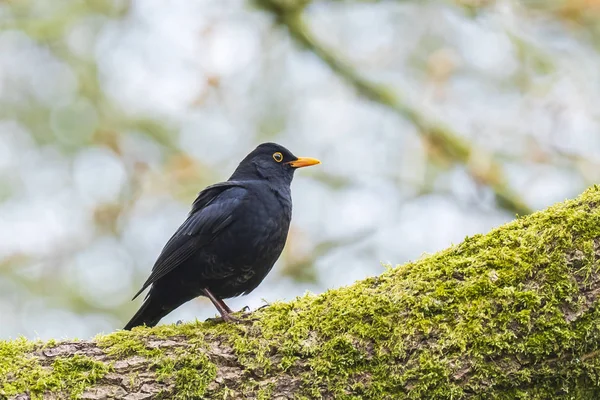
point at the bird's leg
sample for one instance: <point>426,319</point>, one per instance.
<point>220,306</point>
<point>225,306</point>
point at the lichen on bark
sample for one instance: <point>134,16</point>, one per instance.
<point>510,314</point>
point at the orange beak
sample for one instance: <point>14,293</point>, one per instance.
<point>304,162</point>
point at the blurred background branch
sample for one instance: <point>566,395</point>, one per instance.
<point>435,120</point>
<point>447,143</point>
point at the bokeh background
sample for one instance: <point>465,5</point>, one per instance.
<point>434,119</point>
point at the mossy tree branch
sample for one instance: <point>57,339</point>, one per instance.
<point>482,166</point>
<point>507,315</point>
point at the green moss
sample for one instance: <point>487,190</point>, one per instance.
<point>188,366</point>
<point>124,344</point>
<point>13,359</point>
<point>265,392</point>
<point>507,315</point>
<point>20,372</point>
<point>191,371</point>
<point>481,309</point>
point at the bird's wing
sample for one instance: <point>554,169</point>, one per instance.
<point>212,211</point>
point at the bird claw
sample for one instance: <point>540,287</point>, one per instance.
<point>179,322</point>
<point>263,306</point>
<point>231,319</point>
<point>244,309</point>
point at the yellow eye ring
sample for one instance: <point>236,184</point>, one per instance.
<point>278,157</point>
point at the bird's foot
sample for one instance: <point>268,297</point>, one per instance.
<point>248,316</point>
<point>246,309</point>
<point>179,322</point>
<point>263,306</point>
<point>231,319</point>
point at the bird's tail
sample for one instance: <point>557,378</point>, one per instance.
<point>149,314</point>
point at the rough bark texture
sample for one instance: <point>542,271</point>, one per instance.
<point>508,315</point>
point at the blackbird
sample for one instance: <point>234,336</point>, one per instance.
<point>230,240</point>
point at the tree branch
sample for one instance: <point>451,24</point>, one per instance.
<point>511,314</point>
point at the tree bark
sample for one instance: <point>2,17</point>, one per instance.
<point>511,314</point>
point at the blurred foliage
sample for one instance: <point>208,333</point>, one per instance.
<point>57,92</point>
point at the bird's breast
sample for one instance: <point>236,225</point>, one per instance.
<point>244,252</point>
<point>259,229</point>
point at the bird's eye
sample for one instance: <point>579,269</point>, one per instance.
<point>278,157</point>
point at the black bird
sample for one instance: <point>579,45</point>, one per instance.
<point>229,242</point>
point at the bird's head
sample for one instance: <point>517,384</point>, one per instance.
<point>271,161</point>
